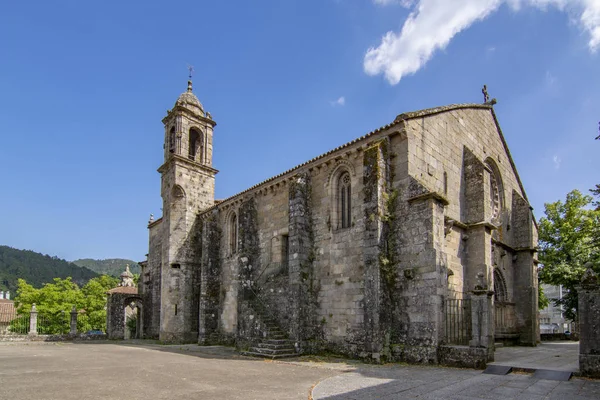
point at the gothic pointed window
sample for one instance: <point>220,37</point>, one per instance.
<point>172,140</point>
<point>233,234</point>
<point>194,144</point>
<point>500,293</point>
<point>494,197</point>
<point>344,193</point>
<point>496,191</point>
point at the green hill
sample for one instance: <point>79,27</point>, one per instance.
<point>37,269</point>
<point>111,266</point>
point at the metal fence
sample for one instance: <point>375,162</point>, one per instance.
<point>53,324</point>
<point>14,323</point>
<point>11,323</point>
<point>458,321</point>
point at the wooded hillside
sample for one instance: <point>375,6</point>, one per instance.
<point>37,269</point>
<point>110,266</point>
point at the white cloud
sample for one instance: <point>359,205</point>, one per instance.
<point>556,159</point>
<point>339,102</point>
<point>432,24</point>
<point>550,79</point>
<point>403,3</point>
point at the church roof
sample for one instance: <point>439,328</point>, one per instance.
<point>399,119</point>
<point>124,289</point>
<point>7,310</point>
<point>189,100</point>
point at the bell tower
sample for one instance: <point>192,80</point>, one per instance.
<point>187,188</point>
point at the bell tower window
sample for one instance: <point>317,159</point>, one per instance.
<point>195,143</point>
<point>172,140</point>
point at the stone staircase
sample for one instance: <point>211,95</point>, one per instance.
<point>275,344</point>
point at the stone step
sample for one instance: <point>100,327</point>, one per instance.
<point>271,356</point>
<point>273,328</point>
<point>276,346</point>
<point>278,341</point>
<point>272,352</point>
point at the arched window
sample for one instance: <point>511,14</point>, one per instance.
<point>195,142</point>
<point>233,234</point>
<point>496,198</point>
<point>500,294</point>
<point>172,140</point>
<point>344,194</point>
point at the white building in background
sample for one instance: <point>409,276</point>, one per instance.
<point>552,318</point>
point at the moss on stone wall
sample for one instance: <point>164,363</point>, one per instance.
<point>210,280</point>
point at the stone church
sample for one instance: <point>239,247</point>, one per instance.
<point>414,242</point>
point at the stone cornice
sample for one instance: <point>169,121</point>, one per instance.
<point>182,110</point>
<point>194,165</point>
<point>480,224</point>
<point>430,195</point>
<point>154,223</point>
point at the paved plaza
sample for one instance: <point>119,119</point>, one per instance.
<point>141,370</point>
<point>558,356</point>
<point>108,371</point>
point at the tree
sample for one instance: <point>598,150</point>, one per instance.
<point>569,240</point>
<point>54,302</point>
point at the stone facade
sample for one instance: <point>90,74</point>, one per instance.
<point>358,251</point>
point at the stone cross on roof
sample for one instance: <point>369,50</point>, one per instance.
<point>486,96</point>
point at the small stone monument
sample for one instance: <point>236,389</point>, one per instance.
<point>127,278</point>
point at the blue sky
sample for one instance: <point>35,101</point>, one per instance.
<point>84,86</point>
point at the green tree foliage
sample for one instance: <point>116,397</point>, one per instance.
<point>543,301</point>
<point>569,240</point>
<point>54,302</point>
<point>37,269</point>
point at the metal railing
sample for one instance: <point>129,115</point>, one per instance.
<point>53,324</point>
<point>11,323</point>
<point>458,321</point>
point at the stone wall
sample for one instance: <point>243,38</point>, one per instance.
<point>150,282</point>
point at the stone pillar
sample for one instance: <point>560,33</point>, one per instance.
<point>299,262</point>
<point>482,323</point>
<point>377,292</point>
<point>589,325</point>
<point>73,321</point>
<point>115,317</point>
<point>210,284</point>
<point>33,314</point>
<point>526,282</point>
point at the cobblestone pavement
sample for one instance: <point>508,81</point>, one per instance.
<point>410,382</point>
